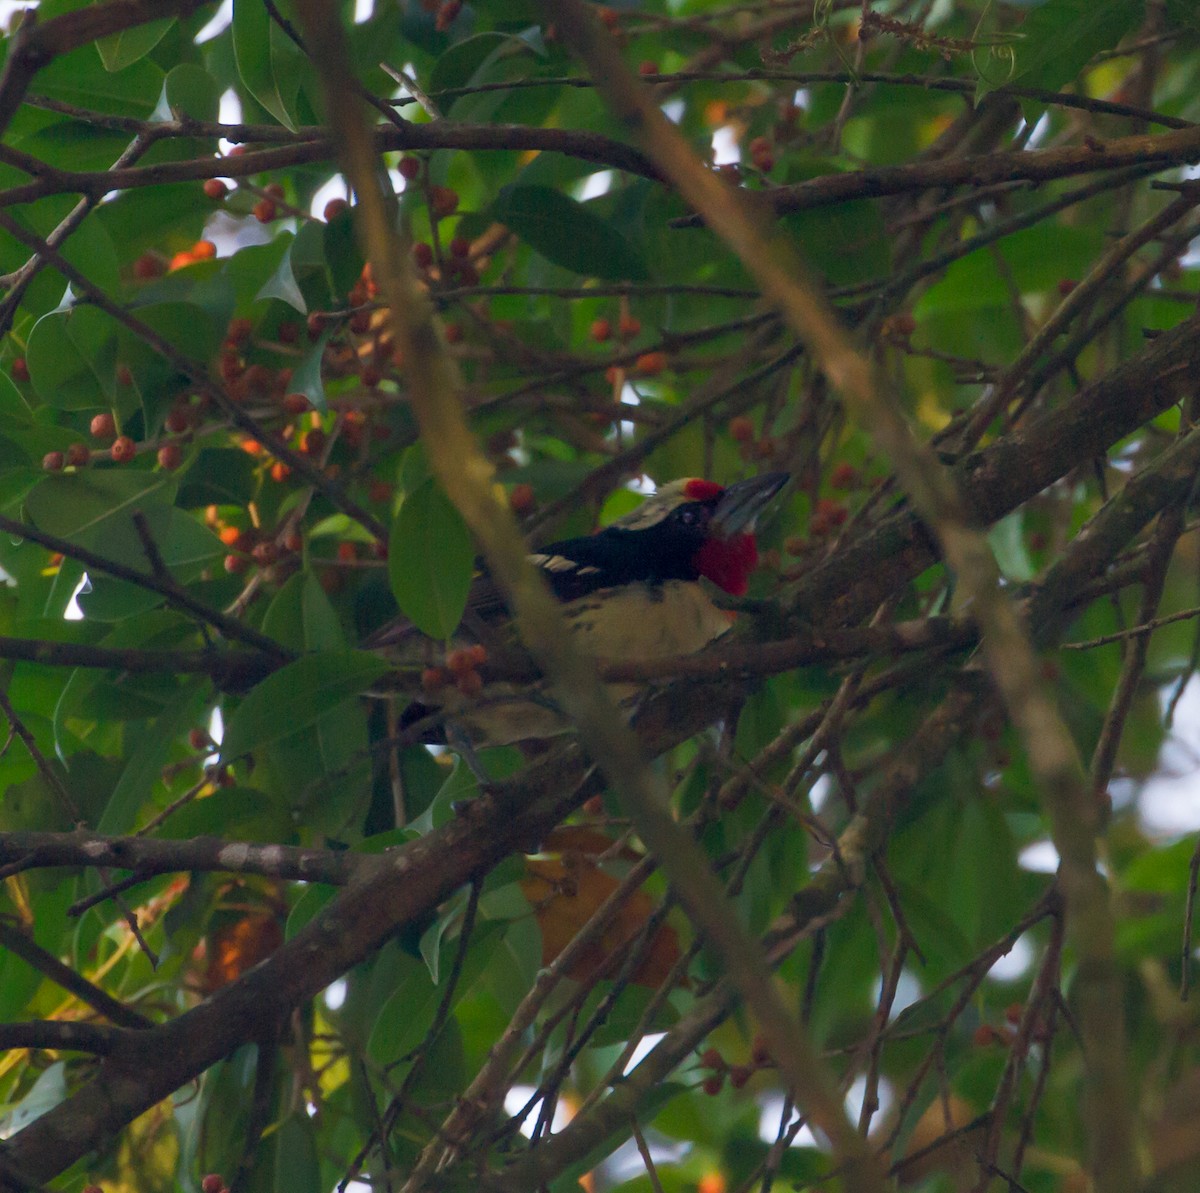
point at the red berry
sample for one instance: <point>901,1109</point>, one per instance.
<point>212,1183</point>
<point>334,208</point>
<point>274,191</point>
<point>601,330</point>
<point>459,662</point>
<point>409,167</point>
<point>296,403</point>
<point>650,364</point>
<point>265,553</point>
<point>453,333</point>
<point>1066,285</point>
<point>984,1035</point>
<point>741,429</point>
<point>422,254</point>
<point>235,564</point>
<point>460,247</point>
<point>288,332</point>
<point>710,1058</point>
<point>238,331</point>
<point>53,461</point>
<point>443,201</point>
<point>150,265</point>
<point>522,500</point>
<point>469,684</point>
<point>265,211</point>
<point>713,1084</point>
<point>760,1053</point>
<point>628,326</point>
<point>123,449</point>
<point>20,369</point>
<point>843,476</point>
<point>478,653</point>
<point>647,68</point>
<point>447,14</point>
<point>198,739</point>
<point>433,679</point>
<point>179,419</point>
<point>739,1075</point>
<point>103,426</point>
<point>312,443</point>
<point>170,456</point>
<point>78,455</point>
<point>214,188</point>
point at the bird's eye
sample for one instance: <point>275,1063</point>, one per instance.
<point>687,516</point>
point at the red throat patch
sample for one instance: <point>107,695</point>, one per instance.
<point>702,490</point>
<point>728,563</point>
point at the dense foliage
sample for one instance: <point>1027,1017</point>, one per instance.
<point>251,926</point>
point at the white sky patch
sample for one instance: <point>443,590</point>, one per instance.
<point>908,991</point>
<point>217,23</point>
<point>1015,963</point>
<point>335,994</point>
<point>1169,803</point>
<point>1039,858</point>
<point>673,110</point>
<point>645,1045</point>
<point>364,10</point>
<point>335,188</point>
<point>595,185</point>
<point>228,112</point>
<point>514,1103</point>
<point>725,146</point>
<point>74,612</point>
<point>771,1105</point>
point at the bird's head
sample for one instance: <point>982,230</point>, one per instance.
<point>713,523</point>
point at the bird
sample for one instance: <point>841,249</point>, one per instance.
<point>635,590</point>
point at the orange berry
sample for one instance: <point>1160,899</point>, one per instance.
<point>470,684</point>
<point>280,472</point>
<point>647,68</point>
<point>601,330</point>
<point>264,211</point>
<point>123,449</point>
<point>478,653</point>
<point>103,425</point>
<point>741,429</point>
<point>628,326</point>
<point>203,250</point>
<point>712,1182</point>
<point>795,544</point>
<point>650,364</point>
<point>454,333</point>
<point>214,188</point>
<point>347,552</point>
<point>984,1035</point>
<point>229,535</point>
<point>170,456</point>
<point>53,461</point>
<point>274,191</point>
<point>78,455</point>
<point>447,15</point>
<point>521,499</point>
<point>20,369</point>
<point>293,542</point>
<point>834,512</point>
<point>433,679</point>
<point>459,662</point>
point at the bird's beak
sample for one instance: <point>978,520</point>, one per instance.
<point>741,504</point>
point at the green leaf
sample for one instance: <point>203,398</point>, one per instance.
<point>1061,37</point>
<point>567,233</point>
<point>252,47</point>
<point>72,358</point>
<point>77,505</point>
<point>191,91</point>
<point>306,377</point>
<point>297,1165</point>
<point>123,49</point>
<point>431,561</point>
<point>282,284</point>
<point>297,696</point>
